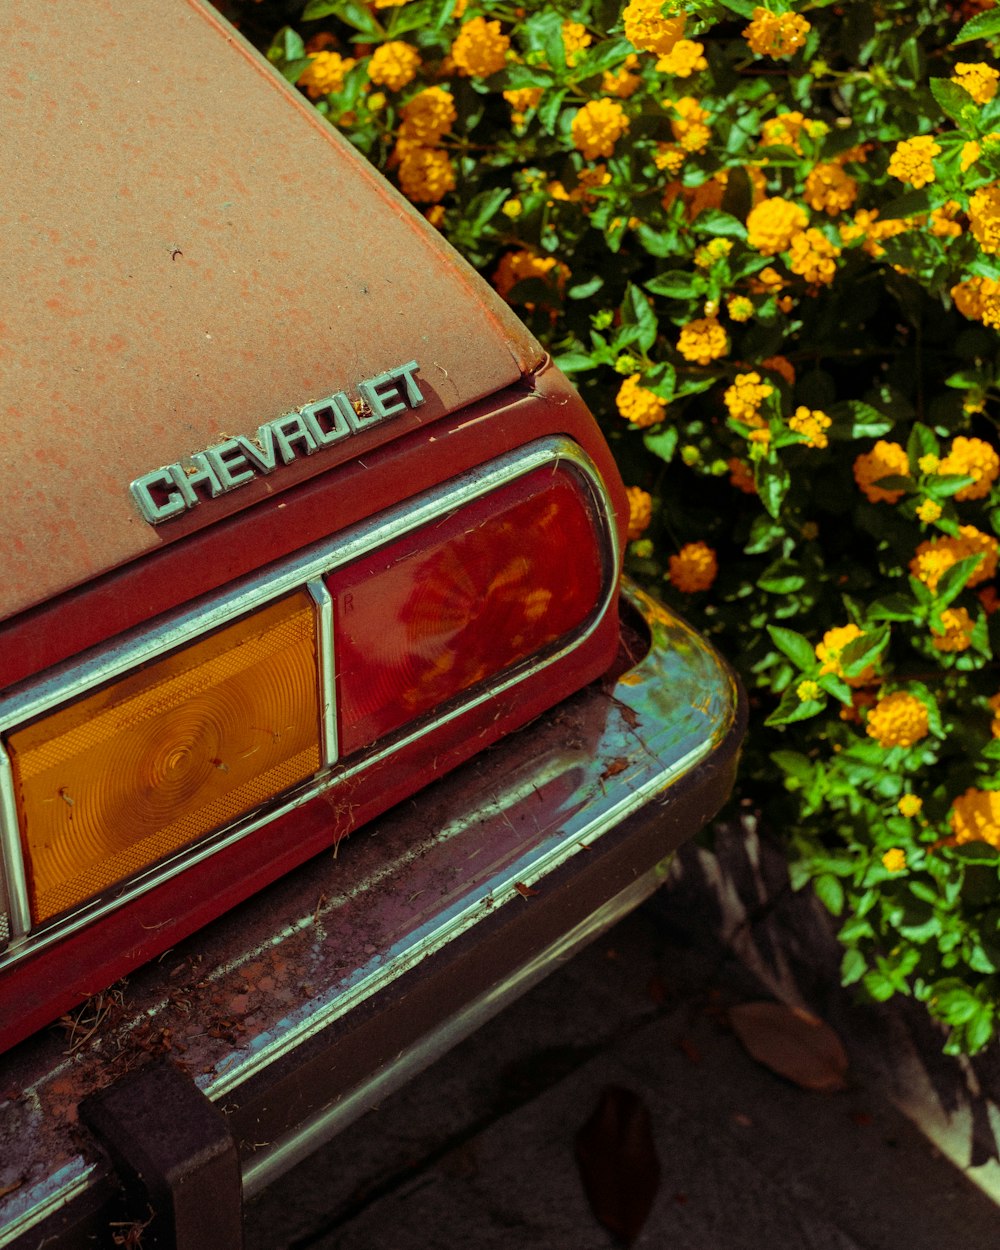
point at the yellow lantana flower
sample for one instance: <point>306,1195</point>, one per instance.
<point>702,341</point>
<point>480,49</point>
<point>694,568</point>
<point>394,64</point>
<point>975,817</point>
<point>773,223</point>
<point>913,161</point>
<point>640,511</point>
<point>979,80</point>
<point>639,404</point>
<point>776,34</point>
<point>648,30</point>
<point>898,720</point>
<point>597,127</point>
<point>972,457</point>
<point>884,460</point>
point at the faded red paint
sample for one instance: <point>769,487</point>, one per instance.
<point>192,250</point>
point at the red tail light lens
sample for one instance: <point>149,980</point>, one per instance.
<point>457,601</point>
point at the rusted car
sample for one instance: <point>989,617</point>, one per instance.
<point>305,537</point>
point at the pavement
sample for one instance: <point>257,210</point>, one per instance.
<point>480,1150</point>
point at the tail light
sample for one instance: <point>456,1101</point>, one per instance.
<point>120,770</point>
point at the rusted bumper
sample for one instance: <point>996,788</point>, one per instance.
<point>299,1010</point>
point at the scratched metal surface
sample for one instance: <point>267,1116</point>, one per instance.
<point>190,252</point>
<point>247,990</point>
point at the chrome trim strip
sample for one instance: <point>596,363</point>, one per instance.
<point>386,966</point>
<point>263,1168</point>
<point>14,884</point>
<point>70,681</point>
<point>55,1193</point>
<point>324,654</point>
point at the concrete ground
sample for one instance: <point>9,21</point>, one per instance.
<point>478,1152</point>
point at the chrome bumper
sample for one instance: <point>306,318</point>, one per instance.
<point>299,1010</point>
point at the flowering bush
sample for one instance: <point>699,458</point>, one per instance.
<point>765,243</point>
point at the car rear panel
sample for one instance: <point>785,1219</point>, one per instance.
<point>190,253</point>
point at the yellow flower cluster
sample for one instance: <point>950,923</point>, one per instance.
<point>480,49</point>
<point>829,653</point>
<point>812,425</point>
<point>325,73</point>
<point>813,256</point>
<point>957,634</point>
<point>984,217</point>
<point>829,189</point>
<point>739,307</point>
<point>426,175</point>
<point>427,117</point>
<point>773,223</point>
<point>702,341</point>
<point>622,82</point>
<point>913,160</point>
<point>894,860</point>
<point>928,510</point>
<point>979,299</point>
<point>515,267</point>
<point>575,38</point>
<point>975,817</point>
<point>933,558</point>
<point>640,511</point>
<point>648,30</point>
<point>884,460</point>
<point>776,34</point>
<point>898,720</point>
<point>808,690</point>
<point>394,64</point>
<point>598,126</point>
<point>693,568</point>
<point>783,131</point>
<point>744,398</point>
<point>639,404</point>
<point>689,128</point>
<point>521,99</point>
<point>685,58</point>
<point>979,80</point>
<point>975,458</point>
<point>910,805</point>
<point>864,226</point>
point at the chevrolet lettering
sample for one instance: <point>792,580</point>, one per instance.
<point>174,488</point>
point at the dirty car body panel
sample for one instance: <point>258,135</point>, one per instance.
<point>305,536</point>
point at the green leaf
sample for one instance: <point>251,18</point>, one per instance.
<point>745,8</point>
<point>852,967</point>
<point>894,607</point>
<point>715,222</point>
<point>853,420</point>
<point>922,442</point>
<point>636,311</point>
<point>911,204</point>
<point>781,578</point>
<point>663,443</point>
<point>584,290</point>
<point>482,208</point>
<point>550,108</point>
<point>795,765</point>
<point>955,101</point>
<point>982,26</point>
<point>792,708</point>
<point>575,362</point>
<point>772,481</point>
<point>356,15</point>
<point>676,284</point>
<point>797,647</point>
<point>954,1003</point>
<point>830,893</point>
<point>953,580</point>
<point>864,651</point>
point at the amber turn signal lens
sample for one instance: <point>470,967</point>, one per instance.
<point>112,783</point>
<point>458,601</point>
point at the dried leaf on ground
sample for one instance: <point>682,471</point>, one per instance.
<point>792,1042</point>
<point>619,1168</point>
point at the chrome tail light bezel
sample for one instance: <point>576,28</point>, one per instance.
<point>39,696</point>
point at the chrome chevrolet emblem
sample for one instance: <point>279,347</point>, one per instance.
<point>173,489</point>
